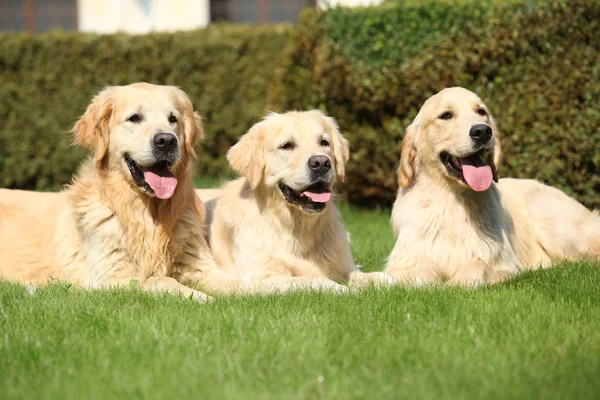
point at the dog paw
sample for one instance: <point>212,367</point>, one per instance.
<point>326,286</point>
<point>360,279</point>
<point>201,297</point>
<point>416,278</point>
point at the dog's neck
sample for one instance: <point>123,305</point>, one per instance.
<point>447,203</point>
<point>111,189</point>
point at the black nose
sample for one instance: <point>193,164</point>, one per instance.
<point>480,133</point>
<point>319,164</point>
<point>165,141</point>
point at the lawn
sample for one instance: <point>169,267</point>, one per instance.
<point>535,336</point>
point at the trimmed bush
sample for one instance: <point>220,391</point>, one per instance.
<point>48,80</point>
<point>536,66</point>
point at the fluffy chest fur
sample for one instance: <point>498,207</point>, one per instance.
<point>126,235</point>
<point>445,231</point>
<point>264,236</point>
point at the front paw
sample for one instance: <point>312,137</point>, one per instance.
<point>321,285</point>
<point>360,279</point>
<point>200,297</point>
<point>494,277</point>
<point>470,276</point>
<point>415,277</point>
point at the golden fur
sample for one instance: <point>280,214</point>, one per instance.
<point>270,243</point>
<point>448,232</point>
<point>106,229</point>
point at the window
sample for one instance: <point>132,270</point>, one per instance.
<point>257,11</point>
<point>35,16</point>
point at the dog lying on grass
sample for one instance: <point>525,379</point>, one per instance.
<point>277,227</point>
<point>131,212</point>
<point>456,222</point>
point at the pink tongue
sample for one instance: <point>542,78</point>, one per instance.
<point>477,173</point>
<point>318,197</point>
<point>163,186</point>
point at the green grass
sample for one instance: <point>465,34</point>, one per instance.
<point>535,336</point>
<point>207,182</point>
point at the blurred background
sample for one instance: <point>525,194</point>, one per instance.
<point>143,16</point>
<point>369,64</point>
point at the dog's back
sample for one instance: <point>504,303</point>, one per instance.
<point>39,238</point>
<point>564,228</point>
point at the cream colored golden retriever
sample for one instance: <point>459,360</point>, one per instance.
<point>455,224</point>
<point>131,212</point>
<point>277,227</point>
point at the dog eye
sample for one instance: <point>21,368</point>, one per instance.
<point>446,115</point>
<point>287,146</point>
<point>173,119</point>
<point>135,118</point>
<point>481,112</point>
<point>324,142</point>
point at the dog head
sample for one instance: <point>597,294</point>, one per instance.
<point>454,139</point>
<point>297,154</point>
<point>146,132</point>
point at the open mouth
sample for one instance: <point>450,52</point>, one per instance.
<point>155,179</point>
<point>312,199</point>
<point>472,169</point>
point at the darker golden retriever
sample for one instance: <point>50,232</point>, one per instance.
<point>131,212</point>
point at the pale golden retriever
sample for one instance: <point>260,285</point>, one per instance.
<point>277,227</point>
<point>131,213</point>
<point>455,224</point>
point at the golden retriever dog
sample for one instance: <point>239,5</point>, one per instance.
<point>208,194</point>
<point>456,222</point>
<point>131,213</point>
<point>277,228</point>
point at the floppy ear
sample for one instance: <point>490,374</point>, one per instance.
<point>192,122</point>
<point>247,155</point>
<point>497,155</point>
<point>408,158</point>
<point>193,131</point>
<point>341,149</point>
<point>91,130</point>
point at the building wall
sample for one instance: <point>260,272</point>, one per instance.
<point>36,16</point>
<point>348,3</point>
<point>142,16</point>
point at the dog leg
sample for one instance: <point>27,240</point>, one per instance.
<point>414,277</point>
<point>566,229</point>
<point>477,274</point>
<point>499,275</point>
<point>359,279</point>
<point>204,272</point>
<point>196,266</point>
<point>214,280</point>
<point>471,275</point>
<point>154,284</point>
<point>166,284</point>
<point>286,284</point>
<point>592,235</point>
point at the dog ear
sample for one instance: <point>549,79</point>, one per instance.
<point>497,155</point>
<point>408,159</point>
<point>192,122</point>
<point>193,131</point>
<point>341,148</point>
<point>247,155</point>
<point>91,130</point>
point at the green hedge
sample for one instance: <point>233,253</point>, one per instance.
<point>536,66</point>
<point>46,82</point>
